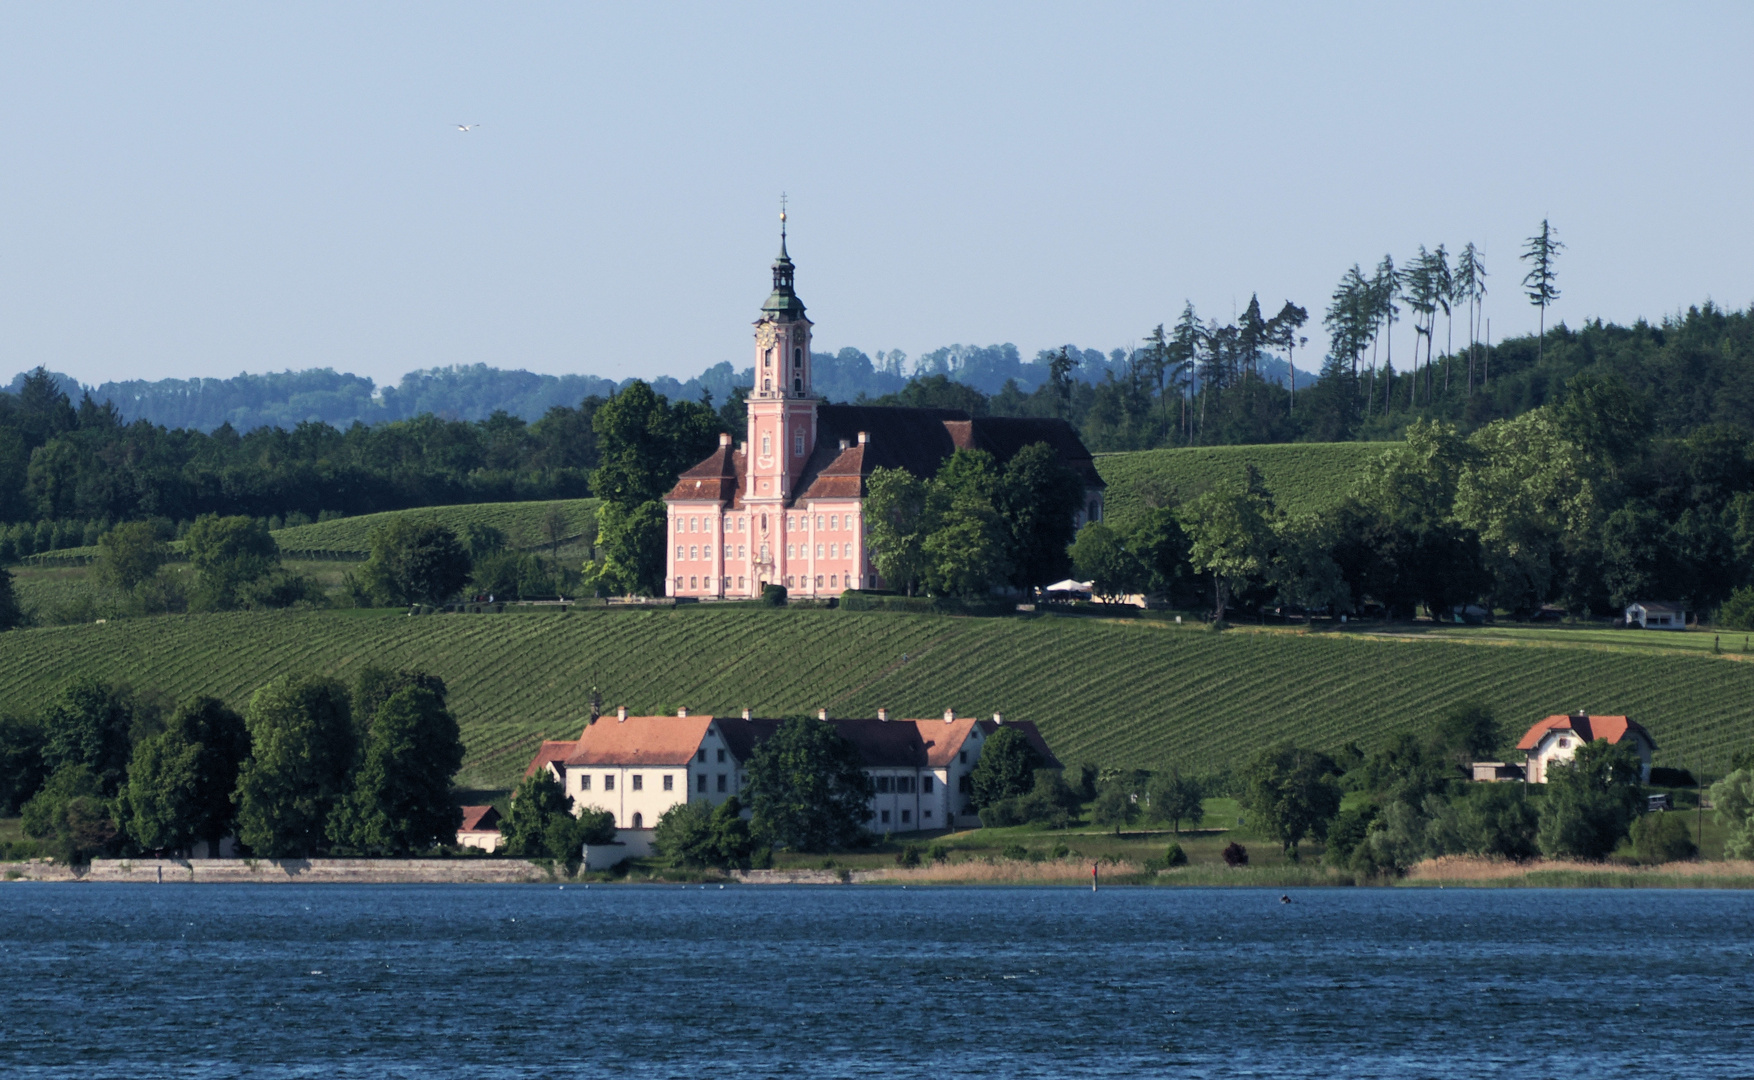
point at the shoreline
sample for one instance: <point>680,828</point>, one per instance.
<point>1447,872</point>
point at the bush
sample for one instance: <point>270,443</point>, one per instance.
<point>1236,855</point>
<point>773,595</point>
<point>1666,776</point>
<point>1175,856</point>
<point>909,855</point>
<point>1662,838</point>
<point>1015,851</point>
<point>1737,613</point>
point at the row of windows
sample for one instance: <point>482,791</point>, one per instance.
<point>833,581</point>
<point>799,551</point>
<point>637,781</point>
<point>902,785</point>
<point>906,816</point>
<point>797,523</point>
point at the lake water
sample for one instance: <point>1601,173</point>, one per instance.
<point>486,981</point>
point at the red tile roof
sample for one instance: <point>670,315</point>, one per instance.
<point>1587,728</point>
<point>918,440</point>
<point>550,753</point>
<point>479,819</point>
<point>640,740</point>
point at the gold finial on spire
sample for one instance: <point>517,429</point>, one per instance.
<point>782,217</point>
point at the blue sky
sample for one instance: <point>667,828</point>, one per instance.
<point>206,189</point>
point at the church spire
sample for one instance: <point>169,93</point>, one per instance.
<point>783,305</point>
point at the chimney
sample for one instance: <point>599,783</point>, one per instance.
<point>822,714</point>
<point>745,714</point>
<point>843,444</point>
<point>997,719</point>
<point>883,715</point>
<point>621,713</point>
<point>864,437</point>
<point>683,711</point>
<point>949,715</point>
<point>724,438</point>
<point>742,446</point>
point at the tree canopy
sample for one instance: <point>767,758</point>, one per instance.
<point>807,788</point>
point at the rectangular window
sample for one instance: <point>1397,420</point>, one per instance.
<point>883,785</point>
<point>678,524</point>
<point>790,552</point>
<point>721,757</point>
<point>639,782</point>
<point>701,756</point>
<point>706,552</point>
<point>791,582</point>
<point>963,757</point>
<point>691,524</point>
<point>679,583</point>
<point>584,781</point>
<point>831,581</point>
<point>700,783</point>
<point>906,816</point>
<point>669,782</point>
<point>740,555</point>
<point>819,522</point>
<point>679,550</point>
<point>925,815</point>
<point>723,781</point>
<point>740,580</point>
<point>608,781</point>
<point>819,551</point>
<point>691,584</point>
<point>819,581</point>
<point>694,553</point>
<point>740,524</point>
<point>926,784</point>
<point>798,443</point>
<point>885,817</point>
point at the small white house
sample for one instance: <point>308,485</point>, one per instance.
<point>480,829</point>
<point>1656,615</point>
<point>1557,738</point>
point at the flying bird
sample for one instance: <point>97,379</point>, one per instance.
<point>466,128</point>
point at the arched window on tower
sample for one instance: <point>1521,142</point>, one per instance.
<point>797,386</point>
<point>798,357</point>
<point>767,359</point>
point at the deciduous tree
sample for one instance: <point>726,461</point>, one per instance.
<point>1293,793</point>
<point>807,787</point>
<point>302,752</point>
<point>182,782</point>
<point>415,562</point>
<point>401,797</point>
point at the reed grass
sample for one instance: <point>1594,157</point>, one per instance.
<point>1469,870</point>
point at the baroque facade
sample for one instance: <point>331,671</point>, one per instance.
<point>786,505</point>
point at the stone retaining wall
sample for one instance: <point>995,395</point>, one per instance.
<point>286,871</point>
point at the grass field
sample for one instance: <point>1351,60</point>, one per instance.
<point>1133,693</point>
<point>521,522</point>
<point>1301,476</point>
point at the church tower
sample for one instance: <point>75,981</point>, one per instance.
<point>782,405</point>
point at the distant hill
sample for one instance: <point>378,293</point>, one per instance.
<point>1301,476</point>
<point>1135,694</point>
<point>522,523</point>
<point>286,399</point>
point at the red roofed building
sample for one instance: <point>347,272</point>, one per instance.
<point>1557,738</point>
<point>480,828</point>
<point>637,767</point>
<point>786,506</point>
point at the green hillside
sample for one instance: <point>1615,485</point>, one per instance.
<point>522,523</point>
<point>1301,476</point>
<point>1138,693</point>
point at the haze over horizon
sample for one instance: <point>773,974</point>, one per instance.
<point>214,189</point>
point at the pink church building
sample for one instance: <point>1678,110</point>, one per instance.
<point>786,506</point>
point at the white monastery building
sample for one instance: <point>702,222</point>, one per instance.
<point>637,767</point>
<point>786,506</point>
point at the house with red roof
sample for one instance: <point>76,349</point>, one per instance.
<point>480,828</point>
<point>638,767</point>
<point>1556,739</point>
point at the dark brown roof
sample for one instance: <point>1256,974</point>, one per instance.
<point>886,744</point>
<point>918,440</point>
<point>479,819</point>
